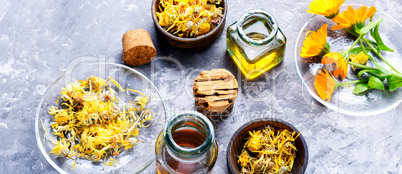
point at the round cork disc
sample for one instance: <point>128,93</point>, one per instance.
<point>214,92</point>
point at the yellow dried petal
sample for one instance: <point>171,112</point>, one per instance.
<point>205,27</point>
<point>94,121</point>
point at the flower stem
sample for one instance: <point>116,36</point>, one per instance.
<point>372,42</point>
<point>368,55</point>
<point>352,82</point>
<point>354,43</point>
<point>362,66</point>
<point>397,75</point>
<point>379,54</point>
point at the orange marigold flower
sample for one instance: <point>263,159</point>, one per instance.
<point>315,43</point>
<point>342,68</point>
<point>327,8</point>
<point>341,63</point>
<point>351,19</point>
<point>325,85</point>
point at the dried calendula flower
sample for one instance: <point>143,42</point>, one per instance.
<point>268,151</point>
<point>254,143</point>
<point>91,122</point>
<point>205,28</point>
<point>189,18</point>
<point>61,149</point>
<point>243,159</point>
<point>263,164</point>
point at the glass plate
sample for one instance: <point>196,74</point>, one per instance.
<point>133,160</point>
<point>343,100</point>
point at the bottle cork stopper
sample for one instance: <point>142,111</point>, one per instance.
<point>138,48</point>
<point>215,92</point>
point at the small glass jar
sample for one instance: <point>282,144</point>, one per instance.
<point>255,43</point>
<point>186,145</point>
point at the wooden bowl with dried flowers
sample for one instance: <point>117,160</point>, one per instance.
<point>245,137</point>
<point>193,26</point>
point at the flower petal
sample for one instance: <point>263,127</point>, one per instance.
<point>314,43</point>
<point>325,7</point>
<point>351,17</point>
<point>324,85</point>
<point>342,68</point>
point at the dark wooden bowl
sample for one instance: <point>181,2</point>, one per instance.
<point>239,138</point>
<point>189,44</point>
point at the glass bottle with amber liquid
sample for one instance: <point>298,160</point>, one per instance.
<point>186,145</point>
<point>255,43</point>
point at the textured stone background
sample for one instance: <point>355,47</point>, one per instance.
<point>41,39</point>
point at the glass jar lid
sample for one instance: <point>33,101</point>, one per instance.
<point>260,15</point>
<point>189,120</point>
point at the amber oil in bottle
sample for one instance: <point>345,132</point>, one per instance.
<point>186,145</point>
<point>255,43</point>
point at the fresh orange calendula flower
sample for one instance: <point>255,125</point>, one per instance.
<point>341,63</point>
<point>342,68</point>
<point>315,43</point>
<point>324,84</point>
<point>351,18</point>
<point>327,8</point>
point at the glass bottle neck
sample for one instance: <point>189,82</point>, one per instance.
<point>257,27</point>
<point>189,134</point>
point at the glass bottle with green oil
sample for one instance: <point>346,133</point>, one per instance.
<point>255,43</point>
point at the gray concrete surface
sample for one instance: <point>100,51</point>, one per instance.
<point>39,40</point>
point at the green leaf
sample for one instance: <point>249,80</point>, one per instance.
<point>377,74</point>
<point>383,70</point>
<point>357,50</point>
<point>361,72</point>
<point>375,34</point>
<point>368,27</point>
<point>380,44</point>
<point>360,87</point>
<point>375,83</point>
<point>394,82</point>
